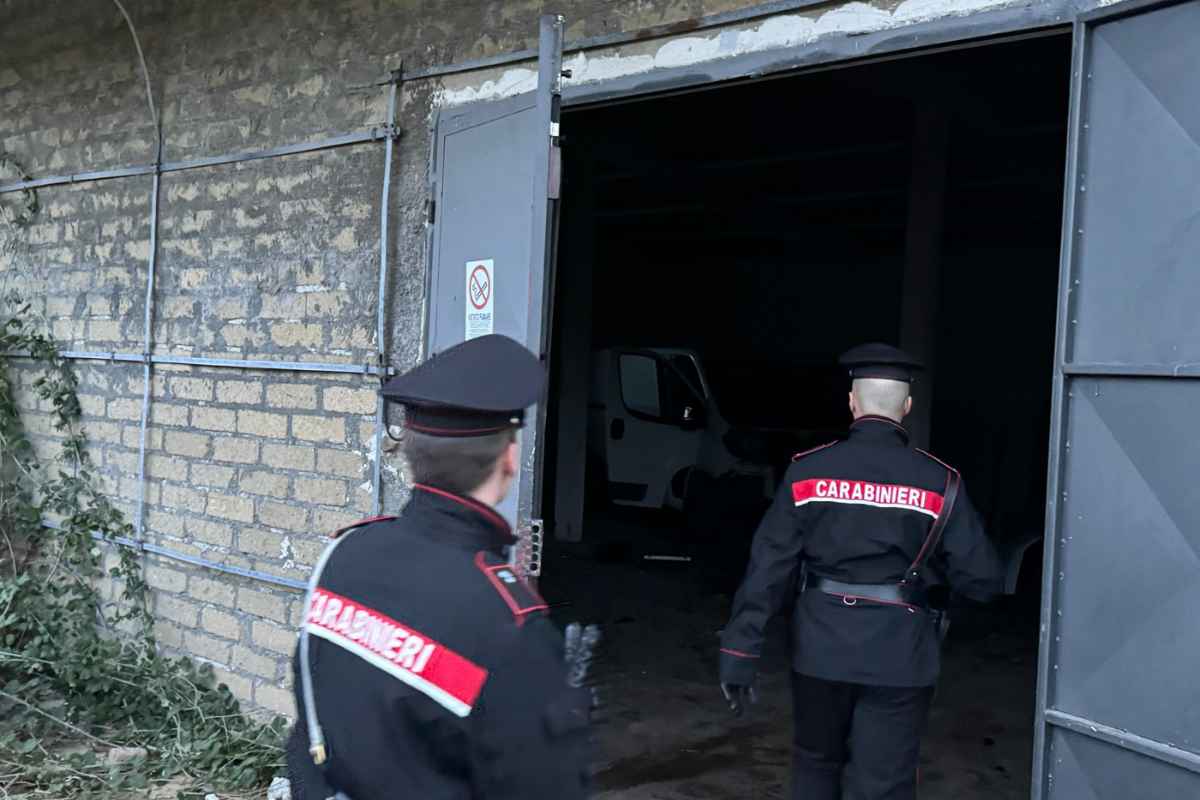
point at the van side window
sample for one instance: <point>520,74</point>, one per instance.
<point>639,384</point>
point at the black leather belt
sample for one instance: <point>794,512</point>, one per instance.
<point>881,592</point>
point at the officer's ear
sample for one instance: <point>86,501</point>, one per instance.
<point>510,459</point>
<point>907,405</point>
<point>853,405</point>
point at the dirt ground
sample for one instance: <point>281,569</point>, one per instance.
<point>663,732</point>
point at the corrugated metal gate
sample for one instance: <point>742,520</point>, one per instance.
<point>1119,698</point>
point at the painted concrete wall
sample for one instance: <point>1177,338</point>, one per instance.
<point>267,259</point>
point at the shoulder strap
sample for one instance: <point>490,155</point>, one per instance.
<point>913,575</point>
<point>316,736</point>
<point>518,595</point>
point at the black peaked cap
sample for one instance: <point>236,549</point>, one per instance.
<point>876,360</point>
<point>475,388</point>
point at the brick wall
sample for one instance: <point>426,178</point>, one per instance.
<point>272,259</point>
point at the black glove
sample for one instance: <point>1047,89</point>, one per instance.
<point>739,696</point>
<point>737,673</point>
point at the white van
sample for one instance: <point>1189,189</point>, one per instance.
<point>657,432</point>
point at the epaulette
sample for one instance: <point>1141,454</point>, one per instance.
<point>799,456</point>
<point>382,518</point>
<point>518,595</point>
<point>935,458</point>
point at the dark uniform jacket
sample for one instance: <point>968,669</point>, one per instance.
<point>857,511</point>
<point>436,671</point>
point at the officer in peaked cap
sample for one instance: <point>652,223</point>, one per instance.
<point>426,666</point>
<point>860,530</point>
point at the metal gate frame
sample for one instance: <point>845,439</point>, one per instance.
<point>1066,370</point>
<point>532,302</point>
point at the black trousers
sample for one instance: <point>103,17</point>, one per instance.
<point>855,742</point>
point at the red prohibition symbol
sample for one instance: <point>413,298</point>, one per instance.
<point>480,287</point>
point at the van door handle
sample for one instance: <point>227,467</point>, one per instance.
<point>617,429</point>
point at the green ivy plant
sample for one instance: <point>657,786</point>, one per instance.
<point>88,705</point>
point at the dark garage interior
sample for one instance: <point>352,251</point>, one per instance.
<point>740,237</point>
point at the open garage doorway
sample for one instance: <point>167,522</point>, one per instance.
<point>717,250</point>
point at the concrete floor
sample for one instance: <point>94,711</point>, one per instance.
<point>663,732</point>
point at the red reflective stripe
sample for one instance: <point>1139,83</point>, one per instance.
<point>737,653</point>
<point>867,493</point>
<point>426,665</point>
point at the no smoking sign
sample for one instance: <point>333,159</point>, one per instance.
<point>480,296</point>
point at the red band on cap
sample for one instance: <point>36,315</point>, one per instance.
<point>455,431</point>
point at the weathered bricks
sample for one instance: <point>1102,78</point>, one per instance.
<point>288,516</point>
<point>340,462</point>
<point>264,482</point>
<point>284,456</point>
<point>318,429</point>
<point>240,451</point>
<point>292,395</point>
<point>273,637</point>
<point>350,401</point>
<point>231,507</point>
<point>242,392</point>
<point>261,423</point>
<point>320,490</point>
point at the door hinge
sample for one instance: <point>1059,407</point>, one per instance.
<point>533,562</point>
<point>431,211</point>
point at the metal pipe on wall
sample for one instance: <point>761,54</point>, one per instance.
<point>175,555</point>
<point>373,134</point>
<point>222,363</point>
<point>147,343</point>
<point>151,259</point>
<point>381,306</point>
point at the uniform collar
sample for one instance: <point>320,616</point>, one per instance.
<point>875,428</point>
<point>463,519</point>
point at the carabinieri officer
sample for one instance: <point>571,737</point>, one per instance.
<point>874,522</point>
<point>427,667</point>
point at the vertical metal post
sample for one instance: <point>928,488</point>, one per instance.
<point>547,174</point>
<point>1059,405</point>
<point>147,344</point>
<point>381,309</point>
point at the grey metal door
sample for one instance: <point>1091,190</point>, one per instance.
<point>496,175</point>
<point>1119,682</point>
